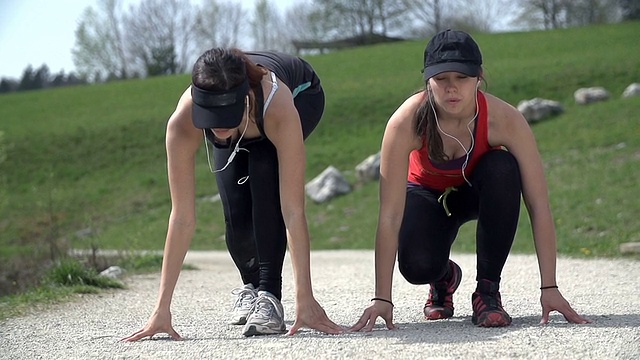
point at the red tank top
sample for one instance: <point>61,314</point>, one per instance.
<point>423,172</point>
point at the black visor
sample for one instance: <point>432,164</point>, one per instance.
<point>218,109</point>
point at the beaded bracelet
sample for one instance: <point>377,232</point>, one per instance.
<point>385,300</point>
<point>549,287</point>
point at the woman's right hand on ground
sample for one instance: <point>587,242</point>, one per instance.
<point>160,322</point>
<point>552,300</point>
<point>310,314</point>
<point>368,319</point>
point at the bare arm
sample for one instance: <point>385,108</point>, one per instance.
<point>509,128</point>
<point>398,141</point>
<point>182,141</point>
<point>283,128</point>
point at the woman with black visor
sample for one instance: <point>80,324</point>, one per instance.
<point>254,109</point>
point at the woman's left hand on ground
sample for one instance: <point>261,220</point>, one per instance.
<point>160,322</point>
<point>552,300</point>
<point>312,315</point>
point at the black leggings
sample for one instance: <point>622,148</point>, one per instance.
<point>255,231</point>
<point>427,233</point>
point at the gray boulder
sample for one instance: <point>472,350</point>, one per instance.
<point>584,96</point>
<point>369,169</point>
<point>631,90</point>
<point>113,272</point>
<point>329,184</point>
<point>538,109</point>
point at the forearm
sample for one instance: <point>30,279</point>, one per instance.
<point>299,248</point>
<point>385,258</point>
<point>177,243</point>
<point>546,248</point>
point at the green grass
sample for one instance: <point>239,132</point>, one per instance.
<point>72,277</point>
<point>71,273</point>
<point>34,299</point>
<point>64,279</point>
<point>93,156</point>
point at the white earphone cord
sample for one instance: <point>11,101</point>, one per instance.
<point>236,149</point>
<point>467,152</point>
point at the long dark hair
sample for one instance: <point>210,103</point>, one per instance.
<point>222,69</point>
<point>426,126</point>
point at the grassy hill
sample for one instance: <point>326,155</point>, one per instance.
<point>85,166</point>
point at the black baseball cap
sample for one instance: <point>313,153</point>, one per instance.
<point>452,50</point>
<point>218,109</point>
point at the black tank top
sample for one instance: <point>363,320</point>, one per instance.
<point>295,72</point>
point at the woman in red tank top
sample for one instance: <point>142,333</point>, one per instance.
<point>451,154</point>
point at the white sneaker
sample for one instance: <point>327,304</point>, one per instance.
<point>267,316</point>
<point>245,296</point>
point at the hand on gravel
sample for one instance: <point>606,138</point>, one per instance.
<point>160,322</point>
<point>552,300</point>
<point>368,319</point>
<point>311,315</point>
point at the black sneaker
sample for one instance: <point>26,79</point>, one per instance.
<point>487,306</point>
<point>439,305</point>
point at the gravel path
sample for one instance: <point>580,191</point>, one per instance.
<point>606,291</point>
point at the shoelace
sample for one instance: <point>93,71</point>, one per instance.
<point>264,306</point>
<point>246,297</point>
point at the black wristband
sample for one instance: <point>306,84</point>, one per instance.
<point>549,287</point>
<point>385,300</point>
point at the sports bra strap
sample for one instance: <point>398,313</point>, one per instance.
<point>274,88</point>
<point>259,115</point>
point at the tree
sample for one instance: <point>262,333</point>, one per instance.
<point>306,22</point>
<point>154,37</point>
<point>8,85</point>
<point>389,14</point>
<point>59,79</point>
<point>27,81</point>
<point>630,9</point>
<point>99,45</point>
<point>361,17</point>
<point>219,24</point>
<point>489,15</point>
<point>114,19</point>
<point>554,14</point>
<point>548,13</point>
<point>428,15</point>
<point>73,79</point>
<point>585,12</point>
<point>267,28</point>
<point>42,77</point>
<point>162,62</point>
<point>159,35</point>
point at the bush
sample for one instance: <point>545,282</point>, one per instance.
<point>70,272</point>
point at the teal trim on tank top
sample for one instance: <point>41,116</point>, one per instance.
<point>301,88</point>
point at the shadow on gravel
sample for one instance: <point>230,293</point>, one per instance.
<point>457,330</point>
<point>599,321</point>
<point>446,331</point>
<point>462,330</point>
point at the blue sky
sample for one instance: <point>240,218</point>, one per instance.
<point>36,32</point>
